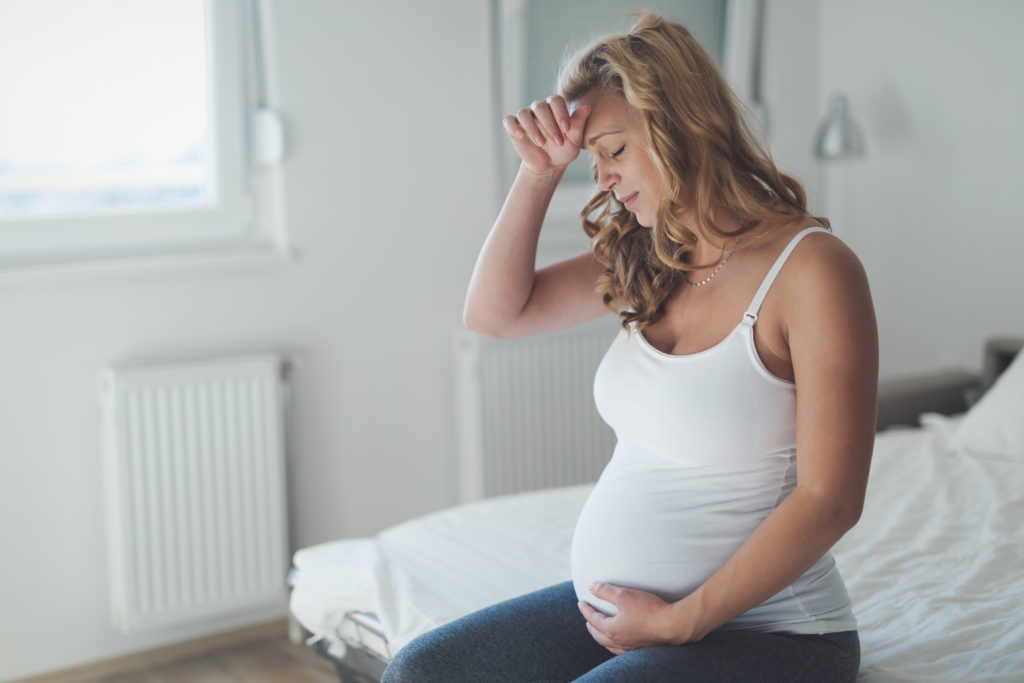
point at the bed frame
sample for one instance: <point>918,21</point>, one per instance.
<point>359,663</point>
<point>903,399</point>
<point>900,402</point>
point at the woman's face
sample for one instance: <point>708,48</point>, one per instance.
<point>614,135</point>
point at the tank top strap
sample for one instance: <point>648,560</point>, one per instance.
<point>750,317</point>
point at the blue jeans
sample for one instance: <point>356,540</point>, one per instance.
<point>543,637</point>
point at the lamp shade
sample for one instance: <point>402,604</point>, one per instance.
<point>838,136</point>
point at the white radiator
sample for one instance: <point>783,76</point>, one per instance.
<point>525,410</point>
<point>194,460</point>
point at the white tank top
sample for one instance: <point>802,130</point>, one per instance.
<point>706,450</point>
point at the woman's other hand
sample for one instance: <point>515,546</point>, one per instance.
<point>643,620</point>
<point>545,135</point>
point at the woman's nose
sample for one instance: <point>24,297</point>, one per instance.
<point>606,180</point>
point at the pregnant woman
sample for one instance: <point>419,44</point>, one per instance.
<point>741,389</point>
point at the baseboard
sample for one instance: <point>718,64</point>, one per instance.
<point>162,655</point>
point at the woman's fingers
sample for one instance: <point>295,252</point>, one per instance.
<point>577,122</point>
<point>528,121</point>
<point>512,127</point>
<point>538,133</point>
<point>533,155</point>
<point>606,642</point>
<point>546,121</point>
<point>543,121</point>
<point>560,112</point>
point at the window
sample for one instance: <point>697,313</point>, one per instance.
<point>532,36</point>
<point>125,128</point>
<point>550,27</point>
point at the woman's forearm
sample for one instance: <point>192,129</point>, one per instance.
<point>504,273</point>
<point>785,545</point>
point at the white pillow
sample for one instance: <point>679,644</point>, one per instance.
<point>995,424</point>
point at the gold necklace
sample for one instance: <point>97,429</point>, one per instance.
<point>686,277</point>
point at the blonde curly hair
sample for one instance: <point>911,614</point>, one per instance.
<point>704,151</point>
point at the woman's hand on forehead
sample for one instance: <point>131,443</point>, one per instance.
<point>545,135</point>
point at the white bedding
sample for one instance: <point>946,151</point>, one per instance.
<point>933,567</point>
<point>436,568</point>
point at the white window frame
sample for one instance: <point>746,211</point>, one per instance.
<point>244,216</point>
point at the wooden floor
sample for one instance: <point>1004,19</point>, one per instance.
<point>265,660</point>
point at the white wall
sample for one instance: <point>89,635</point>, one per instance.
<point>934,210</point>
<point>791,74</point>
<point>390,193</point>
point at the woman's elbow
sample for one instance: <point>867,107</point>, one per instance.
<point>482,325</point>
<point>837,511</point>
<point>845,516</point>
<point>848,515</point>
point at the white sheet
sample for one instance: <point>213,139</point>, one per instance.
<point>430,570</point>
<point>933,567</point>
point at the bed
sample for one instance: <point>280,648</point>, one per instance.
<point>933,566</point>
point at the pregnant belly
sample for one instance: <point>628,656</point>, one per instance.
<point>645,531</point>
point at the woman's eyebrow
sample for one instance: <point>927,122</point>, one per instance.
<point>591,141</point>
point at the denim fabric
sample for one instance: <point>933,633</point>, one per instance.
<point>543,637</point>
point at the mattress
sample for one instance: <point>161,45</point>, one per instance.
<point>933,566</point>
<point>432,569</point>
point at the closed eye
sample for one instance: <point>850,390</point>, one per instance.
<point>618,152</point>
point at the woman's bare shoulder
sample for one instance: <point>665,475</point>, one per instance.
<point>822,259</point>
<point>825,290</point>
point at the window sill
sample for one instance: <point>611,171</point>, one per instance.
<point>101,269</point>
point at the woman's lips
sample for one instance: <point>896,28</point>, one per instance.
<point>630,200</point>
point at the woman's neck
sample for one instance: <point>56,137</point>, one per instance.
<point>710,246</point>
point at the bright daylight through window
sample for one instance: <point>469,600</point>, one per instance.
<point>123,130</point>
<point>105,107</point>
